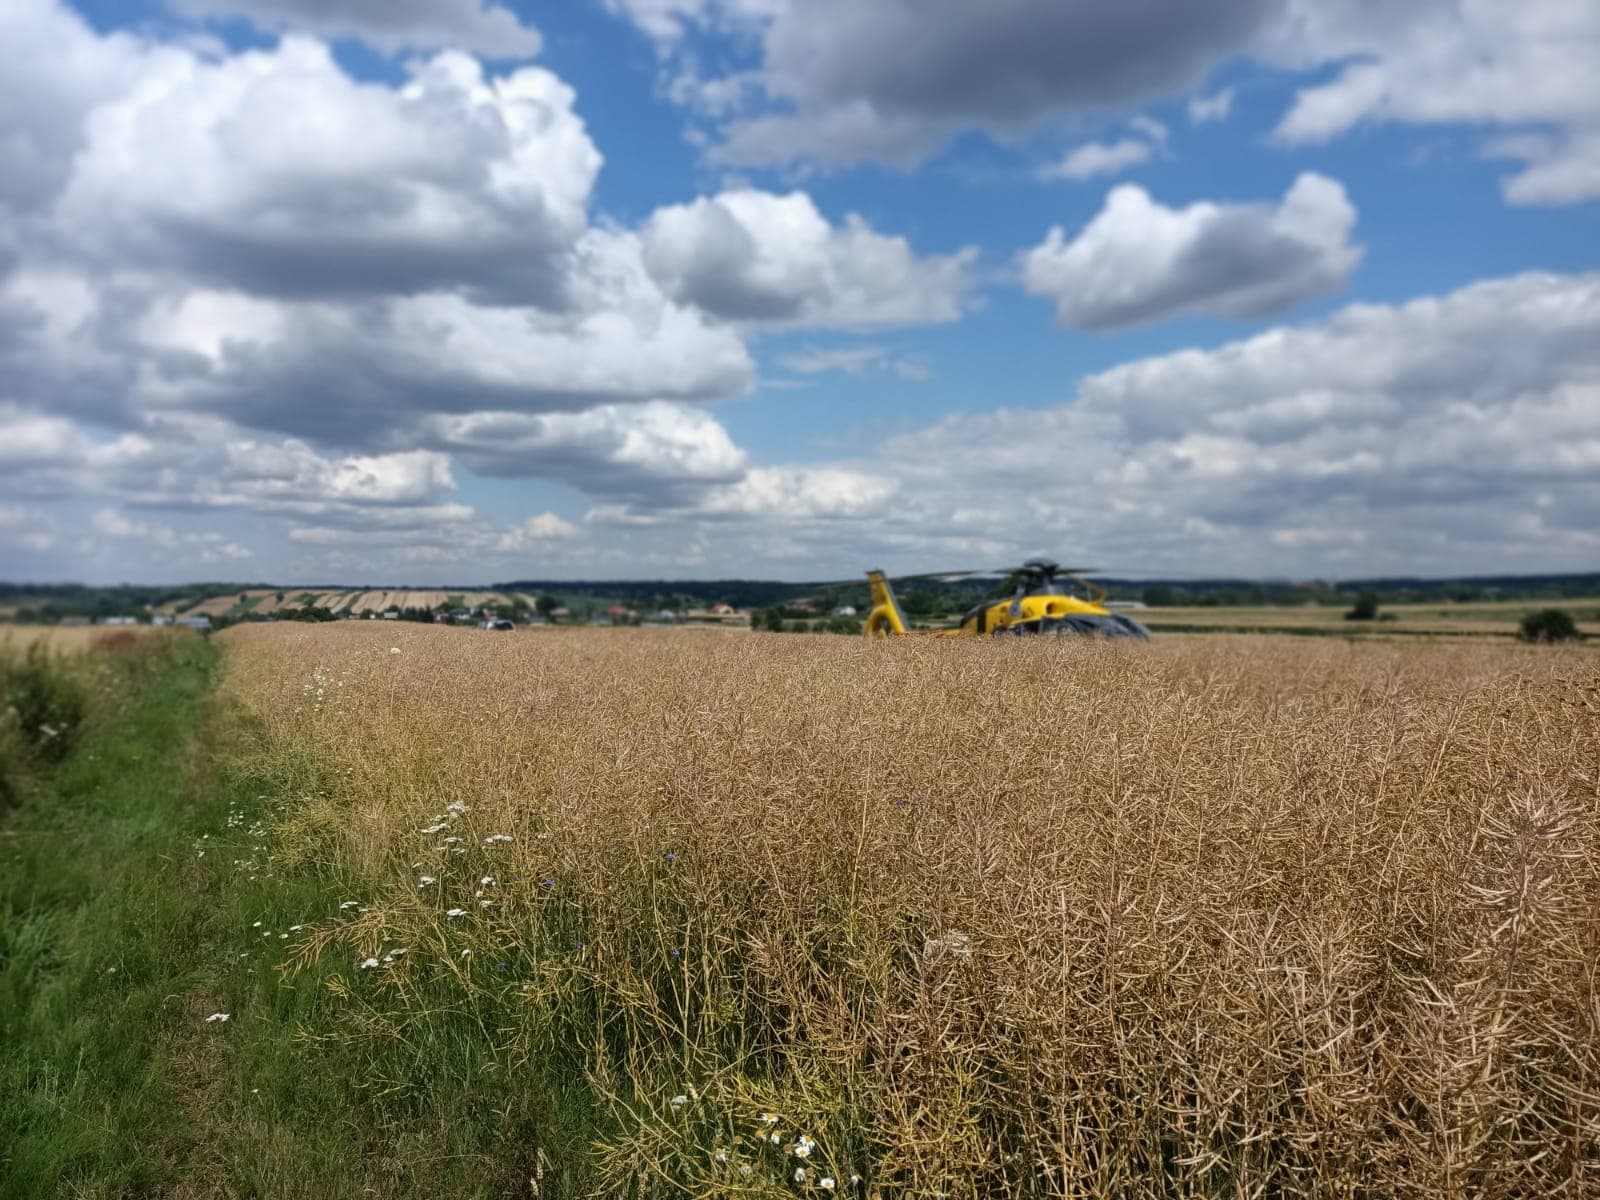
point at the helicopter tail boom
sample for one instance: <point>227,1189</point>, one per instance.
<point>886,617</point>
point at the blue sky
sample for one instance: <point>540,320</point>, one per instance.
<point>322,290</point>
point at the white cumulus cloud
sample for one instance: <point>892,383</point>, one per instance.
<point>488,29</point>
<point>1099,158</point>
<point>766,259</point>
<point>276,172</point>
<point>1138,261</point>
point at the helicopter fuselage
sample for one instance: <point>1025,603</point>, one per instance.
<point>1038,605</point>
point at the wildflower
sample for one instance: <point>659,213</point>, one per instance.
<point>348,904</point>
<point>956,945</point>
<point>826,1183</point>
<point>368,964</point>
<point>720,1156</point>
<point>458,808</point>
<point>774,1139</point>
<point>799,1174</point>
<point>855,1178</point>
<point>745,1169</point>
<point>550,883</point>
<point>466,954</point>
<point>217,1017</point>
<point>426,881</point>
<point>669,858</point>
<point>435,828</point>
<point>769,1118</point>
<point>255,925</point>
<point>804,1147</point>
<point>679,1101</point>
<point>456,912</point>
<point>497,837</point>
<point>296,928</point>
<point>451,841</point>
<point>486,881</point>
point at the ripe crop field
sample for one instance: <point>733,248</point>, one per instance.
<point>776,916</point>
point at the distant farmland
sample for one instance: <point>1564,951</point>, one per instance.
<point>348,600</point>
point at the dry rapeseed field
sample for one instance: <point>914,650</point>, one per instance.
<point>1207,917</point>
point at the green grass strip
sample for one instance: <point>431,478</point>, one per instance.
<point>132,880</point>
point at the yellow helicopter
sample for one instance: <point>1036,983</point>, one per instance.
<point>1041,602</point>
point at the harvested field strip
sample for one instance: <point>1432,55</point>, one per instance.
<point>1487,617</point>
<point>71,639</point>
<point>1202,917</point>
<point>421,599</point>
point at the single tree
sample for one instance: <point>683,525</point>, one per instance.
<point>1550,625</point>
<point>1365,608</point>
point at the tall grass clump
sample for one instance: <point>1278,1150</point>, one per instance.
<point>765,916</point>
<point>49,690</point>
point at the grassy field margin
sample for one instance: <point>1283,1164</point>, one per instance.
<point>135,904</point>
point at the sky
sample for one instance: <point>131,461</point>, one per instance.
<point>452,291</point>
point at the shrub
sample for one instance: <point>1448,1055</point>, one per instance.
<point>1550,625</point>
<point>1365,608</point>
<point>43,699</point>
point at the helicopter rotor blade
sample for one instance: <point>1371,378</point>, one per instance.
<point>952,576</point>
